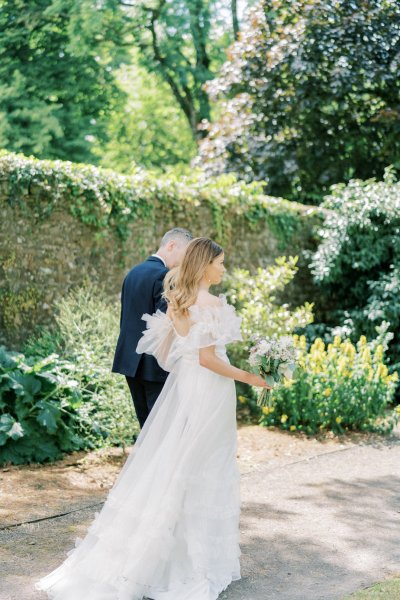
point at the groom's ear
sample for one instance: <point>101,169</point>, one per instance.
<point>171,245</point>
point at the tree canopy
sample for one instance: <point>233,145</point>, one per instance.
<point>150,130</point>
<point>54,97</point>
<point>309,96</point>
<point>183,41</point>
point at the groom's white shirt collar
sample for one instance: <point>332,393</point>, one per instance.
<point>161,258</point>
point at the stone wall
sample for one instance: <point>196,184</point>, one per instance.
<point>45,254</point>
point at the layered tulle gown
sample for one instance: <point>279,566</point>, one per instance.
<point>169,529</point>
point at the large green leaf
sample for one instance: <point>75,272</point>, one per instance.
<point>38,448</point>
<point>26,386</point>
<point>9,428</point>
<point>7,359</point>
<point>6,422</point>
<point>49,415</point>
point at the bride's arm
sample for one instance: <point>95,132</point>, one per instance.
<point>210,360</point>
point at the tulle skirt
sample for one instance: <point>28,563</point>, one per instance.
<point>169,529</point>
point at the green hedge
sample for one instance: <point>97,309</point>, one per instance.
<point>102,223</point>
<point>103,198</point>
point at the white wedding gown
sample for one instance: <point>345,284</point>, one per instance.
<point>169,529</point>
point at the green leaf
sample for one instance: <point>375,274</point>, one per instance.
<point>48,416</point>
<point>269,380</point>
<point>26,386</point>
<point>7,359</point>
<point>6,422</point>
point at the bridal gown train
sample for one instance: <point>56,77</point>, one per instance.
<point>169,529</point>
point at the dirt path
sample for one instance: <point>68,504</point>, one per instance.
<point>320,510</point>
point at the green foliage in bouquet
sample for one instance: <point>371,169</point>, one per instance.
<point>87,406</point>
<point>336,388</point>
<point>274,359</point>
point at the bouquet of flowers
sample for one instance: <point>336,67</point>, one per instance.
<point>275,359</point>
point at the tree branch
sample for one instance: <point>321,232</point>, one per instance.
<point>235,19</point>
<point>182,100</point>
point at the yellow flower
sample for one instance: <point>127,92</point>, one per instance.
<point>398,409</point>
<point>382,371</point>
<point>318,345</point>
<point>339,420</point>
<point>337,340</point>
<point>366,355</point>
<point>284,418</point>
<point>379,353</point>
<point>349,349</point>
<point>266,410</point>
<point>293,428</point>
<point>363,341</point>
<point>242,399</point>
<point>302,342</point>
<point>327,392</point>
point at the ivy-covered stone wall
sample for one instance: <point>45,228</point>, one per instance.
<point>61,223</point>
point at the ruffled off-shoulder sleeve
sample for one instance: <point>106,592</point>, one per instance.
<point>214,325</point>
<point>157,338</point>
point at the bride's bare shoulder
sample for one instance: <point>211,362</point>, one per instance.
<point>206,299</point>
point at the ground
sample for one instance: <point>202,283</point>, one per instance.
<point>320,518</point>
<point>384,590</point>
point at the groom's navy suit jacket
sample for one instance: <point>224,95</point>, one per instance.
<point>141,293</point>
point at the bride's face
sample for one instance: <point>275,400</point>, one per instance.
<point>215,271</point>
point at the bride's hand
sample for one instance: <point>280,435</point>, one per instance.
<point>258,381</point>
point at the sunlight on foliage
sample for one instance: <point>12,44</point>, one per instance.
<point>337,388</point>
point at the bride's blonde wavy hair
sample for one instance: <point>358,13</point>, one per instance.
<point>181,284</point>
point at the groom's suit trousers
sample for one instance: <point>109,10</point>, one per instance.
<point>144,395</point>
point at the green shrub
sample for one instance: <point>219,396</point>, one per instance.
<point>338,388</point>
<point>87,331</point>
<point>39,406</point>
<point>257,300</point>
<point>358,260</point>
<point>90,407</point>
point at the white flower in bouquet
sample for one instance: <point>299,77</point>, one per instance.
<point>275,360</point>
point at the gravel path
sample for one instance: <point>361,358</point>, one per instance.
<point>314,527</point>
<point>320,528</point>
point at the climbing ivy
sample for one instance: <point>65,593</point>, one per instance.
<point>105,199</point>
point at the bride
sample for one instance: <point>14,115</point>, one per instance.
<point>169,529</point>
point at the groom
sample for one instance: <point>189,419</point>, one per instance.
<point>142,293</point>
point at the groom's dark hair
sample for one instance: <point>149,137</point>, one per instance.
<point>177,233</point>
